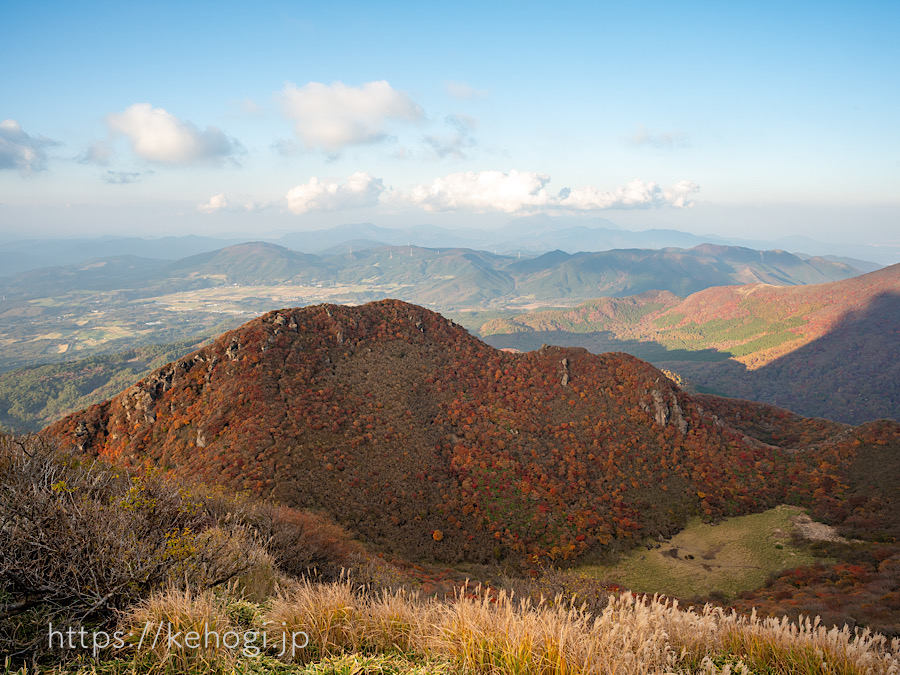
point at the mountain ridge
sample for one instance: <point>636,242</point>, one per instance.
<point>532,235</point>
<point>554,276</point>
<point>744,340</point>
<point>424,441</point>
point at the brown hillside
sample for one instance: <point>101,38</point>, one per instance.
<point>423,440</point>
<point>829,350</point>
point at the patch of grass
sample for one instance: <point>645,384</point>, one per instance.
<point>354,632</point>
<point>346,664</point>
<point>384,664</point>
<point>735,555</point>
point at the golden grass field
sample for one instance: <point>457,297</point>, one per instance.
<point>346,630</point>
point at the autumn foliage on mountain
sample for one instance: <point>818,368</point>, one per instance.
<point>825,350</point>
<point>425,442</point>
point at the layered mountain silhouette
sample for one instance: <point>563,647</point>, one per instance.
<point>428,443</point>
<point>826,350</point>
<point>529,235</point>
<point>442,278</point>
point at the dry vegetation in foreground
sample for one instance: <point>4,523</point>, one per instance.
<point>351,630</point>
<point>80,540</point>
<point>85,546</point>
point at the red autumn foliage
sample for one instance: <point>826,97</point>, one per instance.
<point>398,423</point>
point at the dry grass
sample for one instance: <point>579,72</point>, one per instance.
<point>80,539</point>
<point>180,612</point>
<point>499,635</point>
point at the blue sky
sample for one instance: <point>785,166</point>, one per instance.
<point>760,119</point>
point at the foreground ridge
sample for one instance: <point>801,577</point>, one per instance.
<point>424,441</point>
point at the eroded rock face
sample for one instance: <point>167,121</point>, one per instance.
<point>677,415</point>
<point>138,403</point>
<point>232,350</point>
<point>666,412</point>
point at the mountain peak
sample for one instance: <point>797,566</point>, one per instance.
<point>400,424</point>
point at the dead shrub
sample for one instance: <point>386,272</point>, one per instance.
<point>79,539</point>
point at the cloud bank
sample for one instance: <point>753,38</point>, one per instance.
<point>361,190</point>
<point>158,136</point>
<point>19,150</point>
<point>334,117</point>
<point>636,194</point>
<point>484,192</point>
<point>221,202</point>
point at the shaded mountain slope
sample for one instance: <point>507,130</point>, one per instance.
<point>824,350</point>
<point>423,440</point>
<point>680,271</point>
<point>851,373</point>
<point>94,275</point>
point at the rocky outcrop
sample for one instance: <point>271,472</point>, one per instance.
<point>665,412</point>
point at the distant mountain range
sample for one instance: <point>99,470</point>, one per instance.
<point>425,442</point>
<point>528,236</point>
<point>829,350</point>
<point>441,278</point>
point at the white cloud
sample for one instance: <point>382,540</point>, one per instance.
<point>457,143</point>
<point>463,91</point>
<point>483,191</point>
<point>677,195</point>
<point>361,189</point>
<point>526,191</point>
<point>216,203</point>
<point>98,153</point>
<point>478,192</point>
<point>333,117</point>
<point>158,136</point>
<point>636,194</point>
<point>19,150</point>
<point>220,202</point>
<point>668,139</point>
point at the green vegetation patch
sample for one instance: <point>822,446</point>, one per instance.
<point>735,555</point>
<point>762,343</point>
<point>35,396</point>
<point>668,320</point>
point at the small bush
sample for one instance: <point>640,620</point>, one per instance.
<point>80,539</point>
